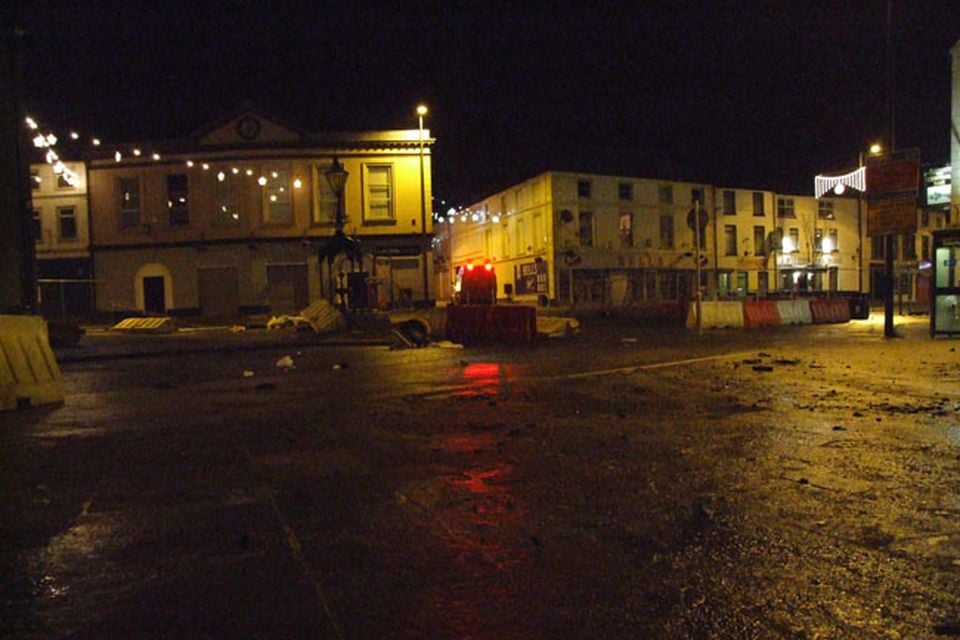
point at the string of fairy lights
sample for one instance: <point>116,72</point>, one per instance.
<point>47,141</point>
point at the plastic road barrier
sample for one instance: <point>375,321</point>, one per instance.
<point>473,323</point>
<point>760,313</point>
<point>794,312</point>
<point>716,314</point>
<point>834,310</point>
<point>29,373</point>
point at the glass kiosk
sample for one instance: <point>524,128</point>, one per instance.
<point>945,318</point>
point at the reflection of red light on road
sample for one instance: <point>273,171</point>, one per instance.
<point>486,377</point>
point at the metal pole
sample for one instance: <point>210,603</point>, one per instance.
<point>860,231</point>
<point>696,231</point>
<point>423,215</point>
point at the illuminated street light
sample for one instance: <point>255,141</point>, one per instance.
<point>422,111</point>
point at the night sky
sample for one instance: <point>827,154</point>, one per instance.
<point>742,94</point>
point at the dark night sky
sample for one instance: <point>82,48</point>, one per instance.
<point>736,93</point>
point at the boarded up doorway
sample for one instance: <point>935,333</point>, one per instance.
<point>287,288</point>
<point>218,292</point>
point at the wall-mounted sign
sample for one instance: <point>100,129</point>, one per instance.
<point>531,277</point>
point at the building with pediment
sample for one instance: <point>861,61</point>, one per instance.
<point>236,219</point>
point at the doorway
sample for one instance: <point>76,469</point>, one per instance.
<point>154,299</point>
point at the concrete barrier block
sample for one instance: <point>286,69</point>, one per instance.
<point>717,314</point>
<point>29,373</point>
<point>794,312</point>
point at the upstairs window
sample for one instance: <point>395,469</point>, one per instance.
<point>379,202</point>
<point>729,203</point>
<point>626,229</point>
<point>67,222</point>
<point>129,189</point>
<point>696,195</point>
<point>583,188</point>
<point>666,193</point>
<point>825,210</point>
<point>325,210</point>
<point>785,208</point>
<point>277,205</point>
<point>36,226</point>
<point>758,209</point>
<point>625,190</point>
<point>759,241</point>
<point>666,232</point>
<point>586,229</point>
<point>730,239</point>
<point>228,208</point>
<point>177,195</point>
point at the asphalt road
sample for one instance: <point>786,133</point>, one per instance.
<point>628,483</point>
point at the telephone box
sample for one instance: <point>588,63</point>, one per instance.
<point>945,312</point>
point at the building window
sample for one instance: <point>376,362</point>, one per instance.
<point>910,246</point>
<point>583,188</point>
<point>35,181</point>
<point>67,222</point>
<point>378,204</point>
<point>825,210</point>
<point>325,205</point>
<point>730,239</point>
<point>177,199</point>
<point>759,241</point>
<point>63,182</point>
<point>626,191</point>
<point>696,195</point>
<point>666,194</point>
<point>878,247</point>
<point>129,189</point>
<point>758,209</point>
<point>277,205</point>
<point>785,208</point>
<point>818,240</point>
<point>924,247</point>
<point>586,229</point>
<point>626,229</point>
<point>794,240</point>
<point>228,209</point>
<point>832,237</point>
<point>729,203</point>
<point>539,237</point>
<point>36,226</point>
<point>666,232</point>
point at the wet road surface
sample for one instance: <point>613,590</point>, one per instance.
<point>793,483</point>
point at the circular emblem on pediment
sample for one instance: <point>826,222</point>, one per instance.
<point>248,127</point>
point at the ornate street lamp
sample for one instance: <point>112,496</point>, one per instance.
<point>337,178</point>
<point>422,111</point>
<point>339,243</point>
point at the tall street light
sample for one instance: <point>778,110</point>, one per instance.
<point>424,246</point>
<point>337,178</point>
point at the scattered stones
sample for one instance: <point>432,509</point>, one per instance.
<point>763,367</point>
<point>838,427</point>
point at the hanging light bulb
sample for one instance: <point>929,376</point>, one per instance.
<point>297,183</point>
<point>95,142</point>
<point>249,172</point>
<point>74,135</point>
<point>234,170</point>
<point>156,156</point>
<point>262,181</point>
<point>39,142</point>
<point>117,156</point>
<point>189,163</point>
<point>31,123</point>
<point>136,152</point>
<point>274,174</point>
<point>51,139</point>
<point>205,166</point>
<point>221,176</point>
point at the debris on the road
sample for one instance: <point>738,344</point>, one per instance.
<point>337,366</point>
<point>786,361</point>
<point>558,326</point>
<point>321,316</point>
<point>265,386</point>
<point>247,373</point>
<point>838,427</point>
<point>286,362</point>
<point>762,367</point>
<point>237,328</point>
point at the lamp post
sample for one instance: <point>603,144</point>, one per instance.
<point>337,178</point>
<point>422,111</point>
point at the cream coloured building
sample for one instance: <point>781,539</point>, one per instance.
<point>235,220</point>
<point>622,241</point>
